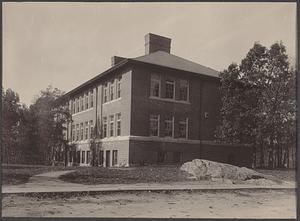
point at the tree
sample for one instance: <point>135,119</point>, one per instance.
<point>10,123</point>
<point>258,104</point>
<point>95,143</point>
<point>51,117</point>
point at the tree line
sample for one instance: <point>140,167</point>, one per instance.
<point>259,106</point>
<point>258,109</point>
<point>34,134</point>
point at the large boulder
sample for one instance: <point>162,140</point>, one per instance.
<point>210,170</point>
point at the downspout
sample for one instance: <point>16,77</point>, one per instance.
<point>200,119</point>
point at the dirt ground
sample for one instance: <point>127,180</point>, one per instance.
<point>200,204</point>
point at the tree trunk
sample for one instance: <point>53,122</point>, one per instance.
<point>262,156</point>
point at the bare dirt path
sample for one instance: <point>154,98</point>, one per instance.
<point>201,204</point>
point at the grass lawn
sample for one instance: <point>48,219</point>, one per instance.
<point>283,174</point>
<point>19,174</point>
<point>98,175</point>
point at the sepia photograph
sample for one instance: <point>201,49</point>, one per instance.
<point>149,110</point>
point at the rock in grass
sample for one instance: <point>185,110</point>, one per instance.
<point>210,170</point>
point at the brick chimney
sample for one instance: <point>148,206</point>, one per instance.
<point>116,60</point>
<point>155,43</point>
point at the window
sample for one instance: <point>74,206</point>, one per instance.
<point>78,157</point>
<point>119,87</point>
<point>155,85</point>
<point>91,99</point>
<point>91,129</point>
<point>154,125</point>
<point>169,126</point>
<point>83,157</point>
<point>73,132</point>
<point>77,131</point>
<point>118,124</point>
<point>111,91</point>
<point>70,156</point>
<point>104,126</point>
<point>86,130</point>
<point>81,103</point>
<point>86,101</point>
<point>101,157</point>
<point>183,90</point>
<point>115,157</point>
<point>170,89</point>
<point>74,106</point>
<point>161,157</point>
<point>105,93</point>
<point>183,129</point>
<point>81,131</point>
<point>77,105</point>
<point>177,157</point>
<point>111,126</point>
<point>88,157</point>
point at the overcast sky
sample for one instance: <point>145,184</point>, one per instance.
<point>66,44</point>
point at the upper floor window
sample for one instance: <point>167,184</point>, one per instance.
<point>155,85</point>
<point>77,105</point>
<point>86,101</point>
<point>83,156</point>
<point>91,99</point>
<point>183,128</point>
<point>73,132</point>
<point>154,125</point>
<point>111,125</point>
<point>91,129</point>
<point>81,131</point>
<point>86,130</point>
<point>169,126</point>
<point>119,87</point>
<point>170,89</point>
<point>111,91</point>
<point>77,131</point>
<point>74,106</point>
<point>81,103</point>
<point>118,124</point>
<point>183,90</point>
<point>104,126</point>
<point>105,89</point>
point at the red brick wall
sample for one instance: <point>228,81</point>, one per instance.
<point>199,88</point>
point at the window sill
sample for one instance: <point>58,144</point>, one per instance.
<point>82,111</point>
<point>109,102</point>
<point>169,100</point>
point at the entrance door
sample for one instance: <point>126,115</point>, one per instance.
<point>107,158</point>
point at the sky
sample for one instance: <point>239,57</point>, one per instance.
<point>66,44</point>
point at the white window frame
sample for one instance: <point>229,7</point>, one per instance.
<point>172,121</point>
<point>111,127</point>
<point>118,87</point>
<point>188,89</point>
<point>170,81</point>
<point>86,130</point>
<point>91,128</point>
<point>111,90</point>
<point>158,124</point>
<point>186,122</point>
<point>86,101</point>
<point>105,93</point>
<point>105,129</point>
<point>118,120</point>
<point>91,99</point>
<point>156,79</point>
